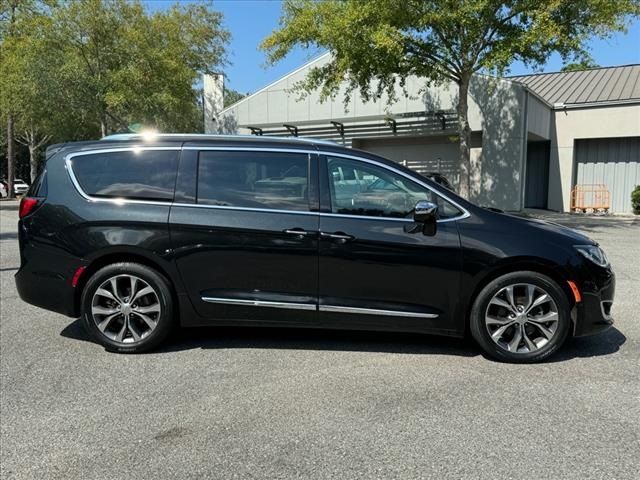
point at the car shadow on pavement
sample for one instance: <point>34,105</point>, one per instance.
<point>605,343</point>
<point>350,341</point>
<point>300,339</point>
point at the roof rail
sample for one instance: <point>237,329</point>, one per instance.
<point>207,136</point>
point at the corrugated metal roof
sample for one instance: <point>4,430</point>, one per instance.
<point>608,84</point>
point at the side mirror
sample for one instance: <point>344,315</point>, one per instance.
<point>425,215</point>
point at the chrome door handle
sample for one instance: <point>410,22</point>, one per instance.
<point>299,232</point>
<point>339,236</point>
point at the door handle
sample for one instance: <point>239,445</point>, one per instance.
<point>299,232</point>
<point>338,236</point>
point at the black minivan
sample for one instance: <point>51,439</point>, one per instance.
<point>137,233</point>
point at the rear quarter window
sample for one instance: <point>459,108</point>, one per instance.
<point>134,174</point>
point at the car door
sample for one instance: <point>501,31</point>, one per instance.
<point>374,273</point>
<point>244,228</point>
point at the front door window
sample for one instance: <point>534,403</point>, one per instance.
<point>359,188</point>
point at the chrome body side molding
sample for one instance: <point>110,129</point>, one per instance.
<point>260,303</point>
<point>375,311</point>
<point>321,308</point>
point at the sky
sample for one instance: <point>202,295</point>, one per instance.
<point>250,21</point>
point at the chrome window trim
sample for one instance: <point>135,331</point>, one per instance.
<point>253,149</point>
<point>245,209</point>
<point>374,311</point>
<point>260,303</point>
<point>367,217</point>
<point>465,212</point>
<point>76,184</point>
<point>117,200</point>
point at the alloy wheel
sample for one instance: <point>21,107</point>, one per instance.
<point>126,309</point>
<point>522,318</point>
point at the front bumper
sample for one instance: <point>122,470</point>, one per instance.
<point>593,314</point>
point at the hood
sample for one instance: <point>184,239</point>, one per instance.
<point>556,230</point>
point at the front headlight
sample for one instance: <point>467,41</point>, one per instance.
<point>593,253</point>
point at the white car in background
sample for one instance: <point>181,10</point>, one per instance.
<point>20,187</point>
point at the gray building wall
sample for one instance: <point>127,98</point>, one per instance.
<point>495,114</point>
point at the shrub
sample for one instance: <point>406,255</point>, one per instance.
<point>635,200</point>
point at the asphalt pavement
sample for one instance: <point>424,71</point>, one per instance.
<point>272,403</point>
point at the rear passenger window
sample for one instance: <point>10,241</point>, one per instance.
<point>271,180</point>
<point>136,174</point>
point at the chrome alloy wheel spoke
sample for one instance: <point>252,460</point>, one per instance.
<point>125,308</point>
<point>521,318</point>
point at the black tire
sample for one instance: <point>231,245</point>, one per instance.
<point>164,320</point>
<point>480,331</point>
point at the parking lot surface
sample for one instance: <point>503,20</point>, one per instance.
<point>261,403</point>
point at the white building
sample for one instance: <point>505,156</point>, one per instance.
<point>534,137</point>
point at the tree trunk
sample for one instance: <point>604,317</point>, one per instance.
<point>464,131</point>
<point>33,162</point>
<point>103,123</point>
<point>11,158</point>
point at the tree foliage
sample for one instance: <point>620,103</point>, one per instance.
<point>585,64</point>
<point>377,44</point>
<point>137,68</point>
<point>78,70</point>
<point>231,96</point>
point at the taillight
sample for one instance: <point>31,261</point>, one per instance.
<point>27,205</point>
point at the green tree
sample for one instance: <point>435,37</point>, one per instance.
<point>13,16</point>
<point>231,96</point>
<point>75,70</point>
<point>125,66</point>
<point>377,44</point>
<point>34,85</point>
<point>585,64</point>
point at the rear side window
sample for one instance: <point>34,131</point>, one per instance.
<point>135,174</point>
<point>271,180</point>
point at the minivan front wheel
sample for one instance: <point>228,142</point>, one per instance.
<point>521,317</point>
<point>127,307</point>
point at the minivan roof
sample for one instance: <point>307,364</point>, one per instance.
<point>185,137</point>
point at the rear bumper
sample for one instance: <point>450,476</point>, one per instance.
<point>593,314</point>
<point>46,290</point>
<point>44,277</point>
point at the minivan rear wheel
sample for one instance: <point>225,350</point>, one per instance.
<point>127,307</point>
<point>521,317</point>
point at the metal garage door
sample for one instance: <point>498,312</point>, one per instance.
<point>424,155</point>
<point>614,162</point>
